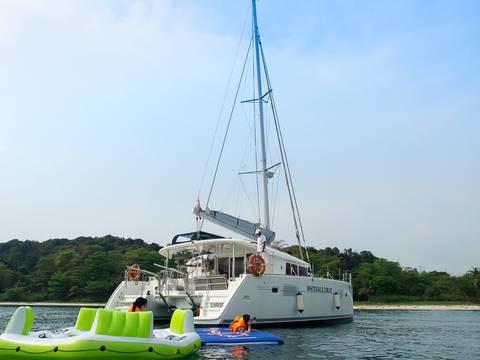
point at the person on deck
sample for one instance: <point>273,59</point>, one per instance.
<point>241,324</point>
<point>261,241</point>
<point>138,305</point>
<point>261,245</point>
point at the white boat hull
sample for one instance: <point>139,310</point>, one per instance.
<point>217,291</point>
<point>269,299</point>
<point>272,300</point>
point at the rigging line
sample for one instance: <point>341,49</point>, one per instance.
<point>280,143</point>
<point>293,191</point>
<point>228,126</point>
<point>246,155</point>
<point>288,176</point>
<point>287,171</point>
<point>302,234</point>
<point>200,226</point>
<point>223,103</point>
<point>275,195</point>
<point>249,201</point>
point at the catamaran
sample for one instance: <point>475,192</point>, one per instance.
<point>221,277</point>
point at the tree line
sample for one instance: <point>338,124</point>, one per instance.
<point>380,280</point>
<point>85,269</point>
<point>88,269</point>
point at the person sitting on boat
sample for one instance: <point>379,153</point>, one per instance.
<point>138,305</point>
<point>241,324</point>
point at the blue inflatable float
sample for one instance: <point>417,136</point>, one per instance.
<point>223,336</point>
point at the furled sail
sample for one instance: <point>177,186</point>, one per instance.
<point>233,223</point>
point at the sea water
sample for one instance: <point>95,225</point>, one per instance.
<point>374,334</point>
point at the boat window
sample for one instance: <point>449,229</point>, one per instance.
<point>239,266</point>
<point>294,269</point>
<point>274,289</point>
<point>223,265</point>
<point>291,269</point>
<point>303,271</point>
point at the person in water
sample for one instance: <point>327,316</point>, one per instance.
<point>241,324</point>
<point>138,305</point>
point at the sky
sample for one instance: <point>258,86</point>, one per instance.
<point>108,108</point>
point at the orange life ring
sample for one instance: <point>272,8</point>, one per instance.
<point>256,264</point>
<point>134,272</point>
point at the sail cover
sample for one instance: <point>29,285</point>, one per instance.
<point>233,223</point>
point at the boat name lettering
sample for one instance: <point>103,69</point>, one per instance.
<point>216,304</point>
<point>322,289</point>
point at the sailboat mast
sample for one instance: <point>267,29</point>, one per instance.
<point>260,109</point>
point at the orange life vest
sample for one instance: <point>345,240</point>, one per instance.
<point>130,309</point>
<point>237,323</point>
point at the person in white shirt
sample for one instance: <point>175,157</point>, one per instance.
<point>261,245</point>
<point>261,241</point>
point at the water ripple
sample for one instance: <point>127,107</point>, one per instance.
<point>373,335</point>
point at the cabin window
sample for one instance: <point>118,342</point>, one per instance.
<point>292,269</point>
<point>238,267</point>
<point>303,271</point>
<point>223,265</point>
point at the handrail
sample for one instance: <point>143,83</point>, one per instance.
<point>184,275</point>
<point>144,271</point>
<point>169,269</point>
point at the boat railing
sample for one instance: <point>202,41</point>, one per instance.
<point>170,271</point>
<point>173,280</point>
<point>211,282</point>
<point>138,284</point>
<point>144,275</point>
<point>345,277</point>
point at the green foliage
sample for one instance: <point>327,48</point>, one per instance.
<point>376,279</point>
<point>7,279</point>
<point>88,269</point>
<point>83,269</point>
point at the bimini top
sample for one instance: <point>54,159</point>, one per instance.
<point>225,247</point>
<point>191,236</point>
